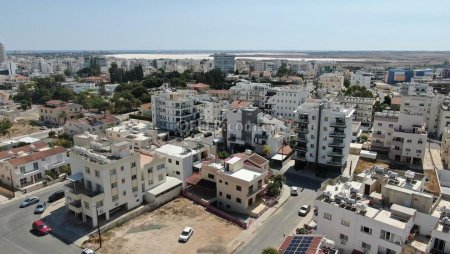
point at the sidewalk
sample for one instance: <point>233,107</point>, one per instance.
<point>20,195</point>
<point>248,234</point>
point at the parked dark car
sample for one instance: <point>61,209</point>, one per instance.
<point>55,196</point>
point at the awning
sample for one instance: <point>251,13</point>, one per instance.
<point>75,178</point>
<point>279,157</point>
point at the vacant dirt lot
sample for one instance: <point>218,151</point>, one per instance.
<point>364,164</point>
<point>158,231</point>
<point>22,127</point>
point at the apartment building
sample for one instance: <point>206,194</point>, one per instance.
<point>403,136</point>
<point>250,127</point>
<point>445,147</point>
<point>381,211</point>
<point>253,92</point>
<point>324,134</point>
<point>283,101</point>
<point>213,109</point>
<point>80,87</point>
<point>394,76</point>
<point>140,133</point>
<point>443,116</point>
<point>183,158</point>
<point>363,109</point>
<point>332,82</point>
<point>420,99</point>
<point>177,112</point>
<point>226,63</point>
<point>237,182</point>
<point>56,112</point>
<point>28,165</point>
<point>361,78</point>
<point>221,94</point>
<point>92,124</point>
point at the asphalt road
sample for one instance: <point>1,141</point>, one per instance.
<point>16,235</point>
<point>285,219</point>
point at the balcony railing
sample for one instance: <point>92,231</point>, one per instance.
<point>302,130</point>
<point>337,144</point>
<point>302,120</point>
<point>336,154</point>
<point>337,134</point>
<point>338,124</point>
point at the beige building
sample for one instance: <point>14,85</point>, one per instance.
<point>92,124</point>
<point>56,112</point>
<point>237,184</point>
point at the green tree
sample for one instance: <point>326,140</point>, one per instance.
<point>275,185</point>
<point>63,116</point>
<point>5,126</point>
<point>266,150</point>
<point>51,134</point>
<point>346,82</point>
<point>357,91</point>
<point>68,72</point>
<point>387,100</point>
<point>269,250</point>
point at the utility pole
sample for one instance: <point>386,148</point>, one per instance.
<point>12,183</point>
<point>98,227</point>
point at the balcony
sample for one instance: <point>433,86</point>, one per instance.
<point>334,163</point>
<point>302,120</point>
<point>339,124</point>
<point>80,193</point>
<point>301,148</point>
<point>376,135</point>
<point>337,134</point>
<point>337,143</point>
<point>335,154</point>
<point>252,191</point>
<point>75,207</point>
<point>302,130</point>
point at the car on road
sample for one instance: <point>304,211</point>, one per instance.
<point>88,251</point>
<point>40,208</point>
<point>186,234</point>
<point>55,196</point>
<point>41,228</point>
<point>29,201</point>
<point>43,128</point>
<point>294,191</point>
<point>304,210</point>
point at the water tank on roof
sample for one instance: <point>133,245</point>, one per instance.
<point>410,174</point>
<point>327,243</point>
<point>360,206</point>
<point>248,151</point>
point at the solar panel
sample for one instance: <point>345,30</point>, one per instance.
<point>299,244</point>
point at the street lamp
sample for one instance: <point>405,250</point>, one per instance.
<point>98,226</point>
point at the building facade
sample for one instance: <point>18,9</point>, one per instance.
<point>363,109</point>
<point>226,63</point>
<point>56,112</point>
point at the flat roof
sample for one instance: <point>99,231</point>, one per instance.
<point>385,217</point>
<point>245,174</point>
<point>169,183</point>
<point>172,150</point>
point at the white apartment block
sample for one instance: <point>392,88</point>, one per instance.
<point>107,176</point>
<point>382,212</point>
<point>420,99</point>
<point>183,158</point>
<point>28,165</point>
<point>324,134</point>
<point>237,184</point>
<point>176,112</point>
<point>80,87</point>
<point>443,116</point>
<point>361,78</point>
<point>250,127</point>
<point>225,62</point>
<point>253,92</point>
<point>2,54</point>
<point>332,82</point>
<point>403,136</point>
<point>363,109</point>
<point>445,147</point>
<point>283,101</point>
<point>92,124</point>
<point>140,133</point>
<point>212,110</point>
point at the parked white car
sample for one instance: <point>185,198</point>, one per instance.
<point>294,191</point>
<point>186,234</point>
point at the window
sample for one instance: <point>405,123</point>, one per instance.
<point>86,205</point>
<point>160,166</point>
<point>228,196</point>
<point>115,197</point>
<point>344,238</point>
<point>123,180</point>
<point>313,117</point>
<point>220,181</point>
<point>365,246</point>
<point>113,185</point>
<point>87,170</point>
<point>311,145</point>
<point>226,183</point>
<point>124,193</point>
<point>177,172</point>
<point>325,128</point>
<point>122,168</point>
<point>345,222</point>
<point>99,203</point>
<point>408,141</point>
<point>238,200</point>
<point>220,193</point>
<point>35,165</point>
<point>22,169</point>
<point>420,142</point>
<point>177,162</point>
<point>150,170</point>
<point>418,151</point>
<point>22,180</point>
<point>326,119</point>
<point>238,188</point>
<point>380,124</point>
<point>210,176</point>
<point>133,164</point>
<point>97,173</point>
<point>160,177</point>
<point>134,189</point>
<point>112,172</point>
<point>327,216</point>
<point>366,230</point>
<point>133,177</point>
<point>170,160</point>
<point>389,251</point>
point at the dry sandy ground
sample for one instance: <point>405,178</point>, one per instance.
<point>22,127</point>
<point>364,164</point>
<point>158,231</point>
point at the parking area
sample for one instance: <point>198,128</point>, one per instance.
<point>158,231</point>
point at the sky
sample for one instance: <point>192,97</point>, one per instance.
<point>225,25</point>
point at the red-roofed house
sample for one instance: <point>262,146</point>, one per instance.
<point>28,165</point>
<point>52,112</point>
<point>199,87</point>
<point>92,124</point>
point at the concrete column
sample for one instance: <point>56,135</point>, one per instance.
<point>94,220</point>
<point>83,217</point>
<point>107,215</point>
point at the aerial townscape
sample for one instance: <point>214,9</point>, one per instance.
<point>245,127</point>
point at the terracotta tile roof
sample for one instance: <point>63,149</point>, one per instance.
<point>146,106</point>
<point>396,101</point>
<point>198,85</point>
<point>36,156</point>
<point>240,104</point>
<point>38,145</point>
<point>256,160</point>
<point>285,150</point>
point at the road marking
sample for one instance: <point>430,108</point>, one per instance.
<point>15,245</point>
